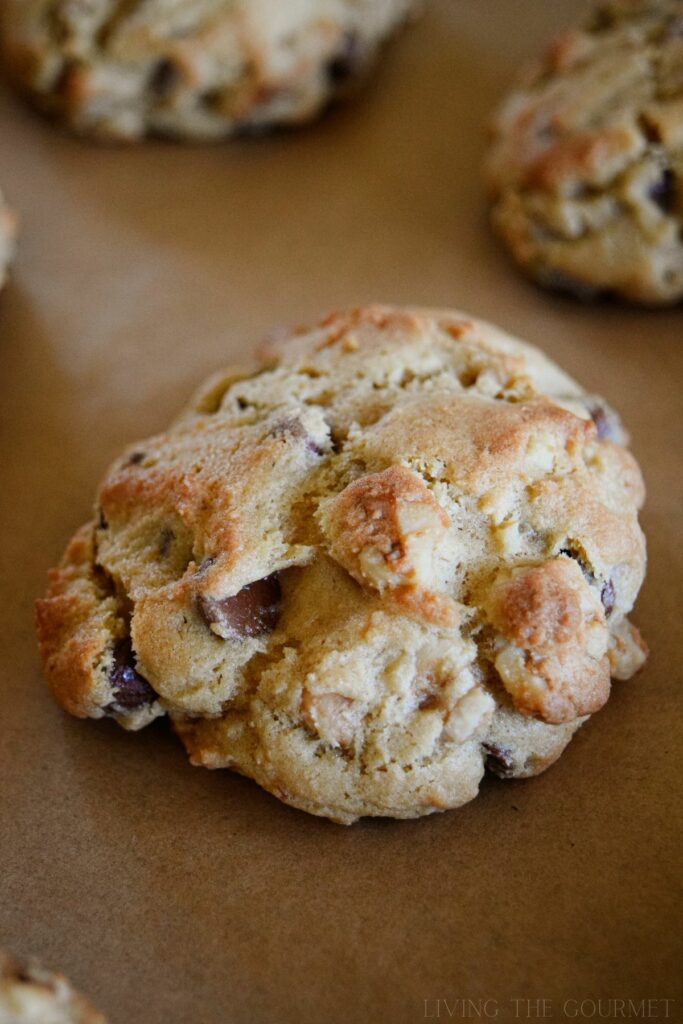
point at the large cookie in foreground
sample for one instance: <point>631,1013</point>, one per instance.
<point>201,70</point>
<point>585,168</point>
<point>400,548</point>
<point>7,233</point>
<point>31,995</point>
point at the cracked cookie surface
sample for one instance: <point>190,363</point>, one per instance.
<point>31,995</point>
<point>205,70</point>
<point>7,234</point>
<point>585,168</point>
<point>398,548</point>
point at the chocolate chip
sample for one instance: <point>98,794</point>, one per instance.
<point>135,459</point>
<point>600,420</point>
<point>499,760</point>
<point>674,29</point>
<point>649,128</point>
<point>561,281</point>
<point>253,611</point>
<point>102,523</point>
<point>166,538</point>
<point>165,78</point>
<point>347,61</point>
<point>131,690</point>
<point>663,192</point>
<point>608,597</point>
<point>606,420</point>
<point>602,20</point>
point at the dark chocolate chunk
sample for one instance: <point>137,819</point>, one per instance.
<point>649,128</point>
<point>608,597</point>
<point>606,420</point>
<point>561,281</point>
<point>166,538</point>
<point>499,760</point>
<point>663,192</point>
<point>131,690</point>
<point>602,20</point>
<point>135,459</point>
<point>347,61</point>
<point>600,420</point>
<point>253,611</point>
<point>165,78</point>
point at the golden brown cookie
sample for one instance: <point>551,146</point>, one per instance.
<point>398,547</point>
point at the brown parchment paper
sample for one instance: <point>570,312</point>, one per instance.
<point>177,895</point>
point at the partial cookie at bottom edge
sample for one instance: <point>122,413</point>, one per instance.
<point>29,994</point>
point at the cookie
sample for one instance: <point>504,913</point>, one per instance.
<point>7,233</point>
<point>585,168</point>
<point>204,70</point>
<point>31,995</point>
<point>398,548</point>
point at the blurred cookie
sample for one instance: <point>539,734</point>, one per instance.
<point>585,168</point>
<point>201,70</point>
<point>7,233</point>
<point>31,995</point>
<point>400,547</point>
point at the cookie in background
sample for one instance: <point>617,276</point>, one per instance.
<point>198,71</point>
<point>585,167</point>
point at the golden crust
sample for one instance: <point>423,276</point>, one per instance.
<point>554,661</point>
<point>479,442</point>
<point>539,608</point>
<point>76,622</point>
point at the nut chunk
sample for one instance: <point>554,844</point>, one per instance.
<point>551,652</point>
<point>253,611</point>
<point>332,717</point>
<point>388,531</point>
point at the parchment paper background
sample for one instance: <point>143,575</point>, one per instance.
<point>177,895</point>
